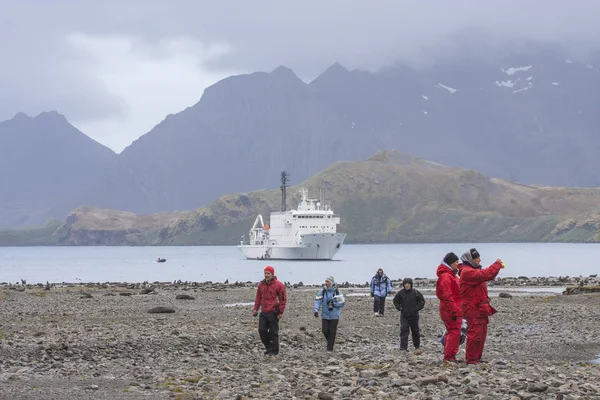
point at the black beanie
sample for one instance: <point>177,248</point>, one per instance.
<point>450,258</point>
<point>474,254</point>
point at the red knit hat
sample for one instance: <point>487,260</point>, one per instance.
<point>270,269</point>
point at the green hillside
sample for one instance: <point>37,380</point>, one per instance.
<point>388,198</point>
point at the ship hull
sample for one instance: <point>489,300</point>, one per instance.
<point>314,246</point>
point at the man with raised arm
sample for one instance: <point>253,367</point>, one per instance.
<point>476,305</point>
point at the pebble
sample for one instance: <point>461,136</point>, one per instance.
<point>63,345</point>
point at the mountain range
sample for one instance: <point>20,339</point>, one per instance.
<point>530,117</point>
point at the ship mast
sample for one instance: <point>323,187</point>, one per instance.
<point>284,180</point>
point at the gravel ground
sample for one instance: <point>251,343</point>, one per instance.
<point>100,342</point>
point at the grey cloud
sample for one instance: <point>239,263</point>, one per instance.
<point>309,35</point>
<point>42,72</point>
<point>39,71</point>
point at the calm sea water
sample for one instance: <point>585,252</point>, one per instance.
<point>353,263</point>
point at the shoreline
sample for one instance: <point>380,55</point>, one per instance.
<point>514,283</point>
<point>346,243</point>
<point>351,243</point>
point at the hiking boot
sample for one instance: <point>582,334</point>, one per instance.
<point>418,352</point>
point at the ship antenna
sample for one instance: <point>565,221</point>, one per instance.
<point>284,180</point>
<point>322,195</point>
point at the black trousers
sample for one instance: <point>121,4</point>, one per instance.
<point>412,324</point>
<point>268,328</point>
<point>379,304</point>
<point>329,328</point>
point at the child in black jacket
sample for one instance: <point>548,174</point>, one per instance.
<point>409,302</point>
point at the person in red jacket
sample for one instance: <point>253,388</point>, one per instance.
<point>447,290</point>
<point>476,305</point>
<point>270,299</point>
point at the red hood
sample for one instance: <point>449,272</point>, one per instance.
<point>444,269</point>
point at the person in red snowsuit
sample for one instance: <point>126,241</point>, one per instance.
<point>270,299</point>
<point>448,291</point>
<point>476,305</point>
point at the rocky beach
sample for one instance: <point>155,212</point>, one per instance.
<point>186,340</point>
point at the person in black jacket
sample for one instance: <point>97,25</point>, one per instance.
<point>409,302</point>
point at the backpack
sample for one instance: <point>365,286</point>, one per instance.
<point>337,292</point>
<point>463,333</point>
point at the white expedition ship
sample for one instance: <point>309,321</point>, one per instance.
<point>306,233</point>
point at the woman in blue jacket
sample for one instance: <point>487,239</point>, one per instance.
<point>330,300</point>
<point>381,286</point>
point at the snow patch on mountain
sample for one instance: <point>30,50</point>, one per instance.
<point>448,88</point>
<point>506,83</point>
<point>520,90</point>
<point>514,70</point>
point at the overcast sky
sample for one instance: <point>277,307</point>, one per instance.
<point>117,68</point>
